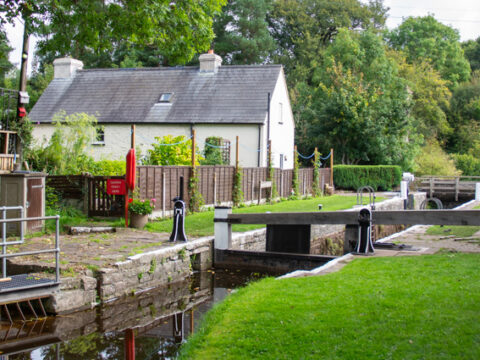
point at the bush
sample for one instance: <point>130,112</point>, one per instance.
<point>383,177</point>
<point>108,167</point>
<point>433,160</point>
<point>468,164</point>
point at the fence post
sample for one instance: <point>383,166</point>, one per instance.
<point>193,148</point>
<point>223,230</point>
<point>477,191</point>
<point>236,155</point>
<point>331,168</point>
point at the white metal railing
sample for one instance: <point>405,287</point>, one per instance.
<point>4,221</point>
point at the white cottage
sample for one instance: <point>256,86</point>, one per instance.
<point>249,101</point>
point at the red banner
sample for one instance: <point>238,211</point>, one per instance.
<point>116,187</point>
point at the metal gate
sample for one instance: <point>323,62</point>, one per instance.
<point>99,202</point>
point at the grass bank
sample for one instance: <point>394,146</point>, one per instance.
<point>201,224</point>
<point>422,307</point>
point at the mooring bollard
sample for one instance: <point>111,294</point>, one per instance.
<point>364,243</point>
<point>178,232</point>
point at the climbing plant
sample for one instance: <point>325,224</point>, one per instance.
<point>237,193</point>
<point>316,190</point>
<point>196,198</point>
<point>295,184</point>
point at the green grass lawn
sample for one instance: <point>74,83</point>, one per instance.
<point>419,307</point>
<point>201,224</point>
<point>458,231</point>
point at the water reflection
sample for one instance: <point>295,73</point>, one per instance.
<point>150,325</point>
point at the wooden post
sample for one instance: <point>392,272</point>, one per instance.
<point>132,137</point>
<point>331,167</point>
<point>193,148</point>
<point>163,194</point>
<point>214,187</point>
<point>236,155</point>
<point>269,158</point>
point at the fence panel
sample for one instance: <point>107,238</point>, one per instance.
<point>68,186</point>
<point>99,202</point>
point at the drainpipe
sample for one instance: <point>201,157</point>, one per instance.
<point>268,118</point>
<point>259,144</point>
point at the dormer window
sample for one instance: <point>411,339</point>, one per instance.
<point>165,98</point>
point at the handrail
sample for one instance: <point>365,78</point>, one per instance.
<point>21,220</point>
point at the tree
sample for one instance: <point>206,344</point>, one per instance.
<point>5,65</point>
<point>93,30</point>
<point>424,38</point>
<point>430,96</point>
<point>472,53</point>
<point>241,32</point>
<point>302,28</point>
<point>37,84</point>
<point>66,151</point>
<point>464,117</point>
<point>359,105</point>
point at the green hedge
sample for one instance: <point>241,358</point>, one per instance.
<point>380,177</point>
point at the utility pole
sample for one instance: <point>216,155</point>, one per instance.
<point>23,97</point>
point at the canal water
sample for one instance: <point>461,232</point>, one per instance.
<point>149,325</point>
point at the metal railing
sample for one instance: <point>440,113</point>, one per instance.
<point>4,221</point>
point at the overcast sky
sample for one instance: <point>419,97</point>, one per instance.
<point>463,15</point>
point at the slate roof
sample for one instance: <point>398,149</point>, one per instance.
<point>235,94</point>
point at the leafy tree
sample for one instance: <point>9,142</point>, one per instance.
<point>241,32</point>
<point>472,53</point>
<point>302,28</point>
<point>5,65</point>
<point>424,38</point>
<point>359,104</point>
<point>37,84</point>
<point>170,150</point>
<point>464,117</point>
<point>66,151</point>
<point>92,30</point>
<point>430,96</point>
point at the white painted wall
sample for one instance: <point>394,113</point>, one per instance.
<point>117,139</point>
<point>282,125</point>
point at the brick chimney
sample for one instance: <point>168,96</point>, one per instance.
<point>209,62</point>
<point>65,68</point>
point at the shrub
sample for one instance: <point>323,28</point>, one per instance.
<point>213,154</point>
<point>433,160</point>
<point>108,167</point>
<point>383,177</point>
<point>467,164</point>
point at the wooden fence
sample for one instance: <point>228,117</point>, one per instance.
<point>448,186</point>
<point>216,183</point>
<point>162,184</point>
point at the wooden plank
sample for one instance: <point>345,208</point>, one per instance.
<point>413,217</point>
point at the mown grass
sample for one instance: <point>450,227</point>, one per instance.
<point>201,224</point>
<point>422,307</point>
<point>458,231</point>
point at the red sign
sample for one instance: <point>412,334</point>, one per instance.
<point>116,187</point>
